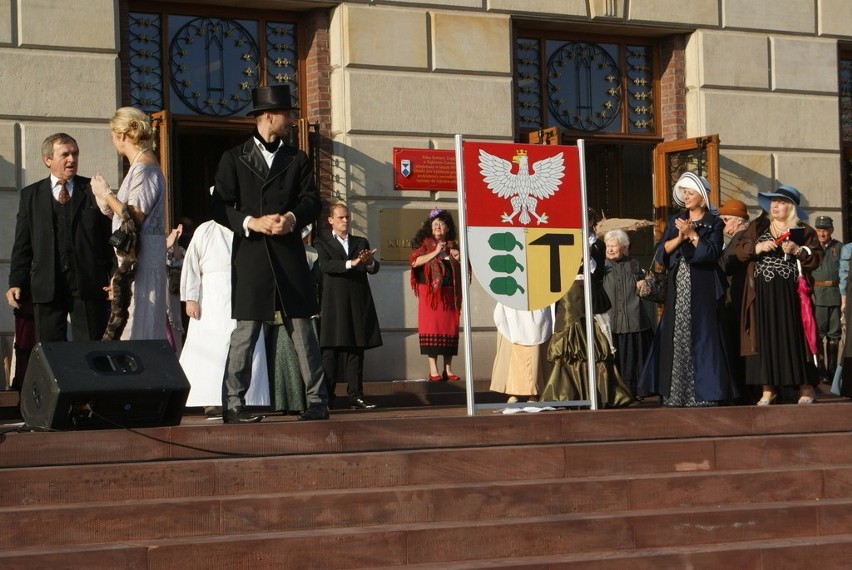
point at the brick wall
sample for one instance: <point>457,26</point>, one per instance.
<point>673,88</point>
<point>318,90</point>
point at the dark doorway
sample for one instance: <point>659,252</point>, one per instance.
<point>196,152</point>
<point>619,184</point>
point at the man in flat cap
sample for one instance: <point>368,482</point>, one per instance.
<point>827,297</point>
<point>265,192</point>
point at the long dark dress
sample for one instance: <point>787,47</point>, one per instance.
<point>782,357</point>
<point>688,364</point>
<point>287,394</point>
<point>287,390</point>
<point>736,271</point>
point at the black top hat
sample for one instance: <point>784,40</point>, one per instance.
<point>271,98</point>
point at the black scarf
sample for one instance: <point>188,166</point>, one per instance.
<point>269,146</point>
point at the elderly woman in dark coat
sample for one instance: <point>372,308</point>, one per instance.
<point>630,319</point>
<point>688,365</point>
<point>735,216</point>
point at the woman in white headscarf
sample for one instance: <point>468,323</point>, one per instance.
<point>688,364</point>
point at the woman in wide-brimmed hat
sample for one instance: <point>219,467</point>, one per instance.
<point>772,337</point>
<point>688,364</point>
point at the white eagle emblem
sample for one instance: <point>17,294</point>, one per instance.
<point>524,188</point>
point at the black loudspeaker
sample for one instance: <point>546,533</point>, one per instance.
<point>92,385</point>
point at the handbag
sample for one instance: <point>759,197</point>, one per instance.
<point>120,240</point>
<point>653,286</point>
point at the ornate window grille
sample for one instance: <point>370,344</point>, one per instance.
<point>584,86</point>
<point>146,73</point>
<point>210,64</point>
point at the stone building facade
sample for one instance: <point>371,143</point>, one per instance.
<point>767,76</point>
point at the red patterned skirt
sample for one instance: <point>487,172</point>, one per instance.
<point>439,326</point>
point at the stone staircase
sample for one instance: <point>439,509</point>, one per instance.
<point>736,487</point>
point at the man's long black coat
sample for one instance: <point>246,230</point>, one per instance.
<point>266,266</point>
<point>348,316</point>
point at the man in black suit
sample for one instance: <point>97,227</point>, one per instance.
<point>61,257</point>
<point>265,193</point>
<point>348,323</point>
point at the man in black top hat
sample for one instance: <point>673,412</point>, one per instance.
<point>265,192</point>
<point>827,297</point>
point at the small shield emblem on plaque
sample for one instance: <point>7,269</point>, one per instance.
<point>405,167</point>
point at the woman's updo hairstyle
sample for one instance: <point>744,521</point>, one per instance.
<point>134,123</point>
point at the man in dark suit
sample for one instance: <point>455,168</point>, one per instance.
<point>61,257</point>
<point>348,321</point>
<point>265,193</point>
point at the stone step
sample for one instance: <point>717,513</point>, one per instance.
<point>391,430</point>
<point>826,553</point>
<point>447,543</point>
<point>79,484</point>
<point>681,494</point>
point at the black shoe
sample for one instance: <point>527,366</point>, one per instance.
<point>314,412</point>
<point>360,404</point>
<point>240,415</point>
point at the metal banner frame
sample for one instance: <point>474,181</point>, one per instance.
<point>472,406</point>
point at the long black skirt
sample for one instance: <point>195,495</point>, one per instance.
<point>782,357</point>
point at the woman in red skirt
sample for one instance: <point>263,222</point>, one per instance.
<point>436,281</point>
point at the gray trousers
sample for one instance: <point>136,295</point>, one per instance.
<point>828,321</point>
<point>237,378</point>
